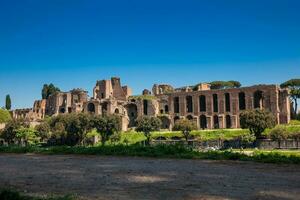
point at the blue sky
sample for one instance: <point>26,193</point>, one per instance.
<point>74,43</point>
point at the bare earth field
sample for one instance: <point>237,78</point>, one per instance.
<point>95,177</point>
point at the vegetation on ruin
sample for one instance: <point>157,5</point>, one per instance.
<point>9,194</point>
<point>224,84</point>
<point>143,97</point>
<point>294,86</point>
<point>4,116</point>
<point>48,90</point>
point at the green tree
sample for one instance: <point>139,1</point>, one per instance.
<point>9,133</point>
<point>294,86</point>
<point>4,116</point>
<point>146,125</point>
<point>257,121</point>
<point>43,131</point>
<point>8,102</point>
<point>185,126</point>
<point>27,136</point>
<point>106,126</point>
<point>49,90</point>
<point>235,84</point>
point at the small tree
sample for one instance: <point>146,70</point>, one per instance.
<point>185,126</point>
<point>106,126</point>
<point>27,136</point>
<point>279,133</point>
<point>43,131</point>
<point>8,102</point>
<point>257,121</point>
<point>147,125</point>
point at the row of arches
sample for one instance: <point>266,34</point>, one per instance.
<point>257,102</point>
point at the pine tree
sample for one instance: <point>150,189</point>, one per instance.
<point>8,102</point>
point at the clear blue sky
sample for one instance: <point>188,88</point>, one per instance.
<point>74,43</point>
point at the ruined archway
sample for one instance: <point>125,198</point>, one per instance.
<point>62,110</point>
<point>117,111</point>
<point>228,121</point>
<point>190,117</point>
<point>216,122</point>
<point>258,99</point>
<point>132,114</point>
<point>203,122</point>
<point>166,109</point>
<point>91,108</point>
<point>104,108</point>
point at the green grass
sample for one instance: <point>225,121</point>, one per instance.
<point>162,151</point>
<point>290,129</point>
<point>8,194</point>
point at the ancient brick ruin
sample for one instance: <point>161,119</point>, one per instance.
<point>209,108</point>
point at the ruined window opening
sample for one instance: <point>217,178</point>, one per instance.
<point>215,103</point>
<point>202,101</point>
<point>176,104</point>
<point>203,122</point>
<point>189,104</point>
<point>145,103</point>
<point>242,101</point>
<point>117,111</point>
<point>166,109</point>
<point>69,109</point>
<point>91,107</point>
<point>102,95</point>
<point>161,111</point>
<point>228,121</point>
<point>216,122</point>
<point>227,102</point>
<point>62,110</point>
<point>258,99</point>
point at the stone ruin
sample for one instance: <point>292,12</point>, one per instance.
<point>208,108</point>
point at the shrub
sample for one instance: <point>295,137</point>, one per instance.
<point>279,133</point>
<point>185,126</point>
<point>294,122</point>
<point>43,131</point>
<point>257,121</point>
<point>27,135</point>
<point>9,133</point>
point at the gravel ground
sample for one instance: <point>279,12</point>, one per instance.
<point>97,177</point>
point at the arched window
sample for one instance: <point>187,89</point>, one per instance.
<point>176,104</point>
<point>175,119</point>
<point>91,108</point>
<point>117,111</point>
<point>215,103</point>
<point>189,104</point>
<point>203,122</point>
<point>202,102</point>
<point>228,121</point>
<point>258,99</point>
<point>216,122</point>
<point>190,117</point>
<point>242,101</point>
<point>227,102</point>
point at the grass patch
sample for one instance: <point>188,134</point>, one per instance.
<point>161,151</point>
<point>8,194</point>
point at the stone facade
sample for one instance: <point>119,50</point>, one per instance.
<point>208,108</point>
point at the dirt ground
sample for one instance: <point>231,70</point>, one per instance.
<point>95,177</point>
